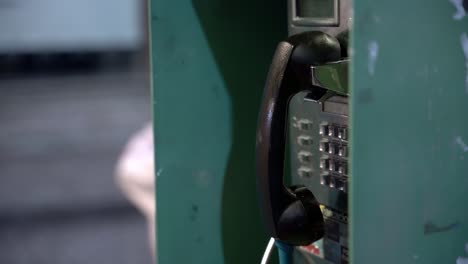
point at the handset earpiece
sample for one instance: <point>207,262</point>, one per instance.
<point>291,215</point>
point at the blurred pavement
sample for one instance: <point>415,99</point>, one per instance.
<point>60,136</point>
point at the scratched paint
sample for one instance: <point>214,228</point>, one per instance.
<point>429,110</point>
<point>460,12</point>
<point>204,178</point>
<point>461,143</point>
<point>159,172</point>
<point>443,85</point>
<point>464,44</point>
<point>373,49</point>
<point>431,228</point>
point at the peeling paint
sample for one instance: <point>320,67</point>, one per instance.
<point>461,12</point>
<point>373,49</point>
<point>204,178</point>
<point>431,228</point>
<point>462,144</point>
<point>464,43</point>
<point>159,172</point>
<point>425,71</point>
<point>463,260</point>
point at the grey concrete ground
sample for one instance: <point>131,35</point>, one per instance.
<point>60,136</point>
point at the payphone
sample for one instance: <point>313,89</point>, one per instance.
<point>305,102</point>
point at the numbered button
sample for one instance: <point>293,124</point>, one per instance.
<point>339,184</point>
<point>332,183</point>
<point>324,146</point>
<point>323,129</point>
<point>333,148</point>
<point>331,131</point>
<point>345,187</point>
<point>325,163</point>
<point>345,169</point>
<point>325,179</point>
<point>342,169</point>
<point>343,133</point>
<point>343,151</point>
<point>332,166</point>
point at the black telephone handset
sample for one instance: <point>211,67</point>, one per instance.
<point>291,215</point>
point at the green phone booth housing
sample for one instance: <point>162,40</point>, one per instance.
<point>409,139</point>
<point>209,62</point>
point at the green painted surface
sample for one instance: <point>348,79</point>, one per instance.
<point>209,62</point>
<point>409,133</point>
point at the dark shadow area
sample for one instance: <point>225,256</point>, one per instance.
<point>242,35</point>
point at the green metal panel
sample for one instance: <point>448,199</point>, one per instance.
<point>410,132</point>
<point>209,62</point>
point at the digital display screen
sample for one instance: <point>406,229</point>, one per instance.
<point>315,8</point>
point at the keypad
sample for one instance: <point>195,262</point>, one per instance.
<point>333,151</point>
<point>334,160</point>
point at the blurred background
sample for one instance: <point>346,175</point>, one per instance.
<point>74,86</point>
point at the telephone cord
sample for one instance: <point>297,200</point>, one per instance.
<point>285,252</point>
